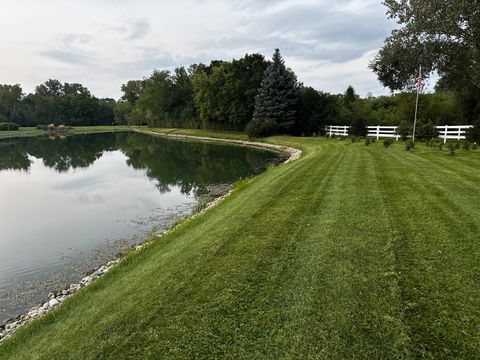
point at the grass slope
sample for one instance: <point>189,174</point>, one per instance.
<point>31,131</point>
<point>349,252</point>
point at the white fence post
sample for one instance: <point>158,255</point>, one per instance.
<point>456,132</point>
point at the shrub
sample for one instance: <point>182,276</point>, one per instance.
<point>358,128</point>
<point>409,145</point>
<point>426,131</point>
<point>452,148</point>
<point>404,129</point>
<point>475,146</point>
<point>5,126</point>
<point>466,145</point>
<point>387,142</point>
<point>473,134</point>
<point>440,145</point>
<point>367,141</point>
<point>41,127</point>
<point>261,128</point>
<point>353,138</point>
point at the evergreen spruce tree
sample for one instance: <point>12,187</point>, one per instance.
<point>275,103</point>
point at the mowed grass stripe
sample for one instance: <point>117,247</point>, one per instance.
<point>253,255</point>
<point>438,254</point>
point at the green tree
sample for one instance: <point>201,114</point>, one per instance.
<point>132,90</point>
<point>358,126</point>
<point>10,103</point>
<point>439,35</point>
<point>277,97</point>
<point>473,134</point>
<point>122,112</point>
<point>350,96</point>
<point>315,110</point>
<point>166,100</point>
<point>68,103</point>
<point>225,91</point>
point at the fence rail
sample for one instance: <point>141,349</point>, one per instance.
<point>445,132</point>
<point>380,131</point>
<point>333,130</point>
<point>455,132</point>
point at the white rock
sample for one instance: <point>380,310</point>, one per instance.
<point>65,292</point>
<point>45,306</point>
<point>11,326</point>
<point>53,302</point>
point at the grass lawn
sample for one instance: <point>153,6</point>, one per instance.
<point>31,131</point>
<point>349,252</point>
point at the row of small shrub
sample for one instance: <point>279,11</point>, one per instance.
<point>5,126</point>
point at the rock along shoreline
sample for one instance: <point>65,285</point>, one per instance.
<point>56,298</point>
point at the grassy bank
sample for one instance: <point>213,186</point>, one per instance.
<point>31,131</point>
<point>349,252</point>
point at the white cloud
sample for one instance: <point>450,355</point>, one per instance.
<point>102,44</point>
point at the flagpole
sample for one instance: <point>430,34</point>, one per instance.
<point>416,105</point>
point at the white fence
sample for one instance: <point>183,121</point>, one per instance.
<point>445,132</point>
<point>455,132</point>
<point>383,131</point>
<point>333,130</point>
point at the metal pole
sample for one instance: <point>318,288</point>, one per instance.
<point>416,106</point>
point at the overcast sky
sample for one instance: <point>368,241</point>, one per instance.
<point>104,43</point>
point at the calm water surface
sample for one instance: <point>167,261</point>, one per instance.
<point>69,205</point>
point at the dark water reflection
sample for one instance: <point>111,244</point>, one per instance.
<point>68,205</point>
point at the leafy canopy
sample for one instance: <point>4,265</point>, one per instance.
<point>439,35</point>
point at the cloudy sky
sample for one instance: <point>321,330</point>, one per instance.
<point>104,43</point>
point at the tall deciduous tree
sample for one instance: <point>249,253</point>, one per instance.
<point>10,97</point>
<point>278,95</point>
<point>315,110</point>
<point>132,90</point>
<point>439,35</point>
<point>166,100</point>
<point>225,91</point>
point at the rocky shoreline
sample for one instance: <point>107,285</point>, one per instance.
<point>56,298</point>
<point>292,153</point>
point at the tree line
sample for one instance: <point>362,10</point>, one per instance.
<point>54,102</point>
<point>227,95</point>
<point>251,93</point>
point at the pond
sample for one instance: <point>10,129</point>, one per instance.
<point>68,205</point>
